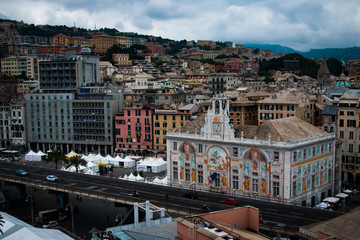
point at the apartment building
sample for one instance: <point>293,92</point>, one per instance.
<point>284,159</point>
<point>102,43</point>
<point>133,129</point>
<point>122,60</point>
<point>124,41</point>
<point>220,82</point>
<point>287,103</point>
<point>169,120</point>
<point>67,74</point>
<point>32,66</point>
<point>14,65</point>
<point>348,113</point>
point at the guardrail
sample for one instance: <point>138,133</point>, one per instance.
<point>93,193</point>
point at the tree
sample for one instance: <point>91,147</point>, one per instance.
<point>56,156</point>
<point>75,161</point>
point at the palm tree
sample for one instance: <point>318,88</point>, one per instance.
<point>75,161</point>
<point>57,155</point>
<point>2,221</point>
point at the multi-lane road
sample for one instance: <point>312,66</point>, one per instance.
<point>170,198</point>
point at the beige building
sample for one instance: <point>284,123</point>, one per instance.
<point>124,41</point>
<point>348,113</point>
<point>14,65</point>
<point>287,103</point>
<point>102,43</point>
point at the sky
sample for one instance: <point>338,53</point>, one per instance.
<point>299,24</point>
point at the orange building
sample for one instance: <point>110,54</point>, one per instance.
<point>102,43</point>
<point>211,44</point>
<point>122,59</point>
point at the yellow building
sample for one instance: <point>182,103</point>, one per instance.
<point>348,113</point>
<point>209,43</point>
<point>124,41</point>
<point>14,66</point>
<point>61,39</point>
<point>122,60</point>
<point>168,120</point>
<point>102,43</point>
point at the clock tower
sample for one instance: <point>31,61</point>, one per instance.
<point>217,121</point>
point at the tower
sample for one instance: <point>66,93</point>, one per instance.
<point>323,74</point>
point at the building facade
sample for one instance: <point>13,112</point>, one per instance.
<point>133,129</point>
<point>285,159</point>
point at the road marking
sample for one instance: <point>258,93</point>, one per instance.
<point>102,189</point>
<point>72,184</point>
<point>91,187</point>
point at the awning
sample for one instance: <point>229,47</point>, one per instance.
<point>331,199</point>
<point>341,195</point>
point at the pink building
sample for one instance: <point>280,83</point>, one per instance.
<point>155,48</point>
<point>237,223</point>
<point>133,130</point>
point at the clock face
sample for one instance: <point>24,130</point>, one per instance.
<point>217,128</point>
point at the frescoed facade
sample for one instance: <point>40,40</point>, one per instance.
<point>285,159</point>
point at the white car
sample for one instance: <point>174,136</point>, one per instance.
<point>51,224</point>
<point>52,178</point>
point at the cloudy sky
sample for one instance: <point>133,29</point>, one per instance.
<point>300,24</point>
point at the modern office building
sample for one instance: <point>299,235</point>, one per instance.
<point>286,159</point>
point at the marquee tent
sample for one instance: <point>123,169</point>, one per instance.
<point>154,165</point>
<point>71,154</point>
<point>32,156</point>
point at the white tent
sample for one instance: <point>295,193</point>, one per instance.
<point>154,165</point>
<point>131,177</point>
<point>322,205</point>
<point>32,156</point>
<point>348,191</point>
<point>139,178</point>
<point>71,154</point>
<point>127,162</point>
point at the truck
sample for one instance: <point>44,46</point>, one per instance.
<point>50,215</point>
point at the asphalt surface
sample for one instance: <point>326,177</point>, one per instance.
<point>102,214</point>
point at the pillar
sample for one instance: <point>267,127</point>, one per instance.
<point>21,191</point>
<point>64,199</point>
<point>136,215</point>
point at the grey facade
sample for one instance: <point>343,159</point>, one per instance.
<point>219,82</point>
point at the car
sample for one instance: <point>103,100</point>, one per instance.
<point>51,224</point>
<point>205,208</point>
<point>230,201</point>
<point>52,178</point>
<point>21,172</point>
<point>192,195</point>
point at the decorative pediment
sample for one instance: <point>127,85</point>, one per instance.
<point>216,119</point>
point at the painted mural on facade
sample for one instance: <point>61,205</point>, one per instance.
<point>187,155</point>
<point>217,159</point>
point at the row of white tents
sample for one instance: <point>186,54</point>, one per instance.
<point>138,178</point>
<point>149,164</point>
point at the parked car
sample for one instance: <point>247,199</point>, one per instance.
<point>51,224</point>
<point>230,201</point>
<point>21,172</point>
<point>52,178</point>
<point>192,195</point>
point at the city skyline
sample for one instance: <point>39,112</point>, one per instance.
<point>302,24</point>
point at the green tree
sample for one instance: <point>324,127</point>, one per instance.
<point>56,156</point>
<point>75,161</point>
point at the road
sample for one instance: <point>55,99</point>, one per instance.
<point>94,209</point>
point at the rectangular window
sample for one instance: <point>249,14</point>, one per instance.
<point>200,148</point>
<point>235,152</point>
<point>276,188</point>
<point>200,177</point>
<point>351,123</point>
<point>341,135</point>
<point>341,123</point>
<point>255,185</point>
<point>175,146</point>
<point>294,188</point>
<point>187,174</point>
<point>175,172</point>
<point>235,182</point>
<point>276,156</point>
<point>351,147</point>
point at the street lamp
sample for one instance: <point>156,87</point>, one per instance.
<point>32,208</point>
<point>72,215</point>
<point>117,218</point>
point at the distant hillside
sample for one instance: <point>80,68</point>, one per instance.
<point>275,48</point>
<point>342,54</point>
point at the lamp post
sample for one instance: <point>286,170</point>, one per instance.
<point>32,208</point>
<point>72,215</point>
<point>117,220</point>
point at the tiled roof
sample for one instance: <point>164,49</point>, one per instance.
<point>330,110</point>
